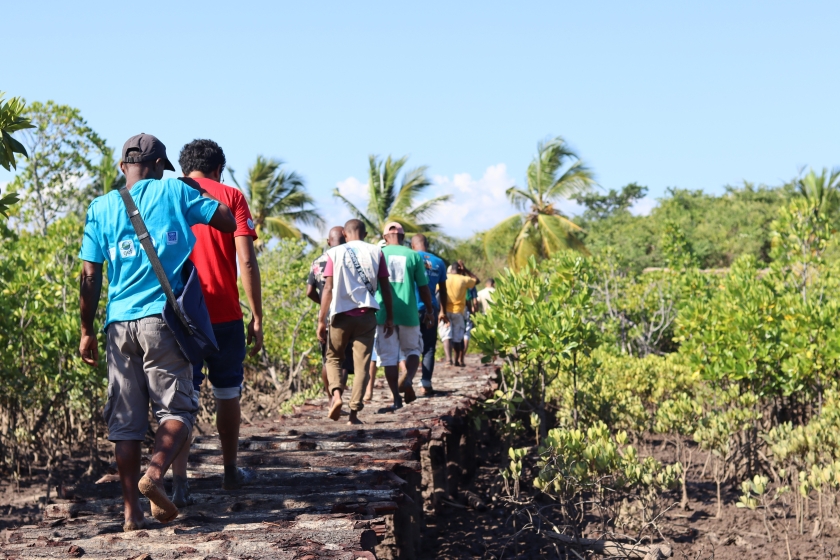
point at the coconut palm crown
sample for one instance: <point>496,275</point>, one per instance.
<point>278,201</point>
<point>556,172</point>
<point>823,189</point>
<point>389,203</point>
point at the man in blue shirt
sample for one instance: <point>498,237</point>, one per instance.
<point>436,273</point>
<point>145,363</point>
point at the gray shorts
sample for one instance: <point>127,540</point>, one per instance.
<point>146,365</point>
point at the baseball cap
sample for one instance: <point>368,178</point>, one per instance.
<point>150,149</point>
<point>396,227</point>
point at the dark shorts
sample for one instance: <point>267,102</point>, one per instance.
<point>225,369</point>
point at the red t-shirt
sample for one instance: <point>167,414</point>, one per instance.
<point>214,254</point>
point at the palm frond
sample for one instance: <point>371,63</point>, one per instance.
<point>542,174</point>
<point>356,212</point>
<point>426,208</point>
<point>280,227</point>
<point>528,243</point>
<point>557,234</point>
<point>278,199</point>
<point>414,182</point>
<point>576,178</point>
<point>520,198</point>
<point>497,240</point>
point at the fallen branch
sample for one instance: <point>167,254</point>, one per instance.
<point>616,549</point>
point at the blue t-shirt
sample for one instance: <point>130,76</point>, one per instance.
<point>436,273</point>
<point>170,208</point>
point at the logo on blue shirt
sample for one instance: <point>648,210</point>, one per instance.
<point>127,249</point>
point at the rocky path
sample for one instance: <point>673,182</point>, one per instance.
<point>323,489</point>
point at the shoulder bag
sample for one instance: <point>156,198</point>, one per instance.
<point>361,272</point>
<point>186,315</point>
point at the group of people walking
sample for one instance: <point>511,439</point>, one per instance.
<point>382,305</point>
<point>386,305</point>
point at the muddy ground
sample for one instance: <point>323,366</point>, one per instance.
<point>695,534</point>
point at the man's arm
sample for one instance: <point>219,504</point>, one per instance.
<point>326,301</point>
<point>223,219</point>
<point>312,294</point>
<point>249,270</point>
<point>468,272</point>
<point>443,299</point>
<point>388,302</point>
<point>426,297</point>
<point>90,288</point>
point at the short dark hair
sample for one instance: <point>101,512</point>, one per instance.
<point>201,155</point>
<point>356,226</point>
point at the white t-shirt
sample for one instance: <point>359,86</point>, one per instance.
<point>350,291</point>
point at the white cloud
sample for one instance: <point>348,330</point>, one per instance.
<point>353,189</point>
<point>476,204</point>
<point>643,206</point>
<point>334,211</point>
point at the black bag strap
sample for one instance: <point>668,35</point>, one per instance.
<point>149,248</point>
<point>360,271</point>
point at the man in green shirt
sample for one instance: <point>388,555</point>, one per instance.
<point>407,275</point>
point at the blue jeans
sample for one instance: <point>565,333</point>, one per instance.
<point>429,336</point>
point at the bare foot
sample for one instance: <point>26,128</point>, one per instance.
<point>354,419</point>
<point>162,508</point>
<point>335,407</point>
<point>135,524</point>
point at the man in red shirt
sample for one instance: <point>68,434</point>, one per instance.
<point>215,255</point>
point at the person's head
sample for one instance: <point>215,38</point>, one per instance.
<point>202,159</point>
<point>419,242</point>
<point>393,233</point>
<point>453,268</point>
<point>144,157</point>
<point>336,237</point>
<point>490,283</point>
<point>354,230</point>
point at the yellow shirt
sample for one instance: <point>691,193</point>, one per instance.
<point>456,292</point>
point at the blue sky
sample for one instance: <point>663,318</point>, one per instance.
<point>688,94</point>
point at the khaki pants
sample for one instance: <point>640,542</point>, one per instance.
<point>358,332</point>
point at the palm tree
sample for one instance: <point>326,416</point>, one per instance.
<point>278,201</point>
<point>556,172</point>
<point>823,190</point>
<point>387,203</point>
